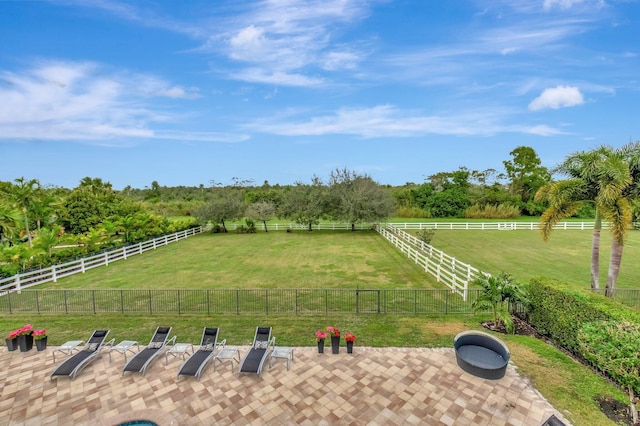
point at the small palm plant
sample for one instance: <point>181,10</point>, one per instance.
<point>497,293</point>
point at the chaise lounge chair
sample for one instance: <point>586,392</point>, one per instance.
<point>74,365</point>
<point>141,361</point>
<point>260,350</point>
<point>196,363</point>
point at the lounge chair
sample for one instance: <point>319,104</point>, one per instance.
<point>260,350</point>
<point>74,365</point>
<point>196,363</point>
<point>141,361</point>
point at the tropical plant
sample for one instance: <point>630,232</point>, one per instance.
<point>10,222</point>
<point>602,177</point>
<point>24,192</point>
<point>498,293</point>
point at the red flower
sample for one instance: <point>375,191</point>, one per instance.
<point>349,336</point>
<point>320,335</point>
<point>333,331</point>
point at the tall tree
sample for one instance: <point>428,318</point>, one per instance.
<point>526,174</point>
<point>226,205</point>
<point>262,211</point>
<point>305,204</point>
<point>357,198</point>
<point>602,177</point>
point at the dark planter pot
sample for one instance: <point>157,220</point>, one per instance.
<point>12,344</point>
<point>349,347</point>
<point>335,344</point>
<point>41,344</point>
<point>321,346</point>
<point>25,343</point>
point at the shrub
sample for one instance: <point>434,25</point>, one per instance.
<point>559,312</point>
<point>412,212</point>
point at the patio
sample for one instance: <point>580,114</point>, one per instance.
<point>374,386</point>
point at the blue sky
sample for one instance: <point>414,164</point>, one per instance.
<point>194,91</point>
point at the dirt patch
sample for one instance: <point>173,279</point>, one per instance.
<point>617,411</point>
<point>522,328</point>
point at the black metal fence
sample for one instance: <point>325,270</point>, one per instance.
<point>626,296</point>
<point>239,301</point>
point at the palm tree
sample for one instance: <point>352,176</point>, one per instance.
<point>496,294</point>
<point>24,192</point>
<point>10,219</point>
<point>602,177</point>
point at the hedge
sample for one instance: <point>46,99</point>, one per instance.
<point>558,311</point>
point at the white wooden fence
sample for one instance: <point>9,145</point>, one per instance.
<point>52,273</point>
<point>500,226</point>
<point>444,268</point>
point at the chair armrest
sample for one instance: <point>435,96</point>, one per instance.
<point>171,341</point>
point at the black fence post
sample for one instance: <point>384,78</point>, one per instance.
<point>37,302</point>
<point>150,307</point>
<point>237,301</point>
<point>93,298</point>
<point>179,311</point>
<point>266,300</point>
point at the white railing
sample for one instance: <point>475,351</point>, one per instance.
<point>500,226</point>
<point>444,268</point>
<point>52,273</point>
<point>332,226</point>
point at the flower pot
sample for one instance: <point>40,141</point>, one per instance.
<point>349,347</point>
<point>335,344</point>
<point>321,346</point>
<point>41,344</point>
<point>12,344</point>
<point>25,342</point>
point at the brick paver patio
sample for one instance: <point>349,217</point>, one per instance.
<point>373,386</point>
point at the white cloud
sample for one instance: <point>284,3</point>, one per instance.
<point>389,121</point>
<point>259,75</point>
<point>562,4</point>
<point>84,102</point>
<point>557,97</point>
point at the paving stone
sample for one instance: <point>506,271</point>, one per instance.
<point>374,386</point>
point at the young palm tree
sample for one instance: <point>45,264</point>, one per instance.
<point>497,293</point>
<point>10,222</point>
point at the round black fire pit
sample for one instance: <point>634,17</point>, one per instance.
<point>481,354</point>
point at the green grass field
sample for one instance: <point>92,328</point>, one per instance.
<point>320,259</point>
<point>566,256</point>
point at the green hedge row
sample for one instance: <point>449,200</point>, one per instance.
<point>559,312</point>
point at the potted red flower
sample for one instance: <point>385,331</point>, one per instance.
<point>335,339</point>
<point>12,340</point>
<point>25,338</point>
<point>350,338</point>
<point>40,337</point>
<point>320,336</point>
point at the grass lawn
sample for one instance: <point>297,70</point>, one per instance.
<point>523,254</point>
<point>320,259</point>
